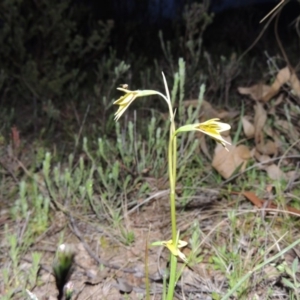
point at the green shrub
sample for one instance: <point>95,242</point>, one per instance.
<point>47,47</point>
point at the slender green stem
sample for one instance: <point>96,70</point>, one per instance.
<point>172,178</point>
<point>172,160</point>
<point>172,280</point>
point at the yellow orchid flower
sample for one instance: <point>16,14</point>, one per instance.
<point>211,127</point>
<point>173,249</point>
<point>128,98</point>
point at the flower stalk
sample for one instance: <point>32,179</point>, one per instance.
<point>212,128</point>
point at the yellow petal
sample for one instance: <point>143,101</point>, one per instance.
<point>175,250</point>
<point>124,102</point>
<point>214,126</point>
<point>182,256</point>
<point>120,112</point>
<point>182,244</point>
<point>126,99</point>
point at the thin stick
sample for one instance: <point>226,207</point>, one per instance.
<point>276,7</point>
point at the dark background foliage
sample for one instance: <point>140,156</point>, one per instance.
<point>61,50</point>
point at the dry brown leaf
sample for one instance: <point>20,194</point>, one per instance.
<point>262,92</point>
<point>274,172</point>
<point>293,175</point>
<point>284,76</point>
<point>269,131</point>
<point>256,92</point>
<point>260,119</point>
<point>261,157</point>
<point>226,162</point>
<point>286,127</point>
<point>248,127</point>
<point>279,100</point>
<point>243,152</point>
<point>268,148</point>
<point>207,110</point>
<point>273,134</point>
<point>251,196</point>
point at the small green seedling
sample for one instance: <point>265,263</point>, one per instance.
<point>62,269</point>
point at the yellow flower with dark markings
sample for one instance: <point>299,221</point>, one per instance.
<point>128,98</point>
<point>173,249</point>
<point>211,127</point>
